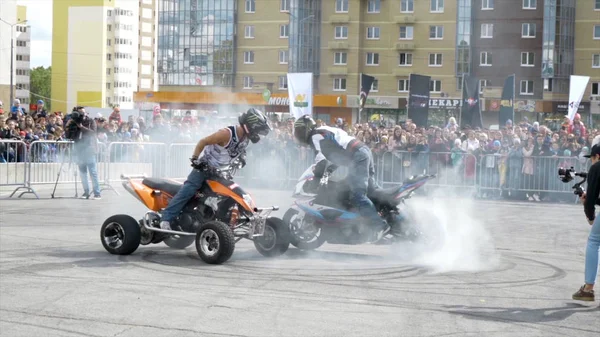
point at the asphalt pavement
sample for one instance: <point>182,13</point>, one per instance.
<point>503,269</point>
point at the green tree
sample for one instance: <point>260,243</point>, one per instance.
<point>40,86</point>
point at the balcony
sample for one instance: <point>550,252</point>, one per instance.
<point>339,19</point>
<point>337,71</point>
<point>338,45</point>
<point>405,45</point>
<point>404,19</point>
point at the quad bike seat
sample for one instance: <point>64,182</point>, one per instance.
<point>165,185</point>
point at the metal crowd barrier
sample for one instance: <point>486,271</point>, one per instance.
<point>23,166</point>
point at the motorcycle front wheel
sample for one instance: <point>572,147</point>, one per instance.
<point>304,234</point>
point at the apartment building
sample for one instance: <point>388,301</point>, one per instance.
<point>587,49</point>
<point>22,57</point>
<point>8,21</point>
<point>147,76</point>
<point>95,53</point>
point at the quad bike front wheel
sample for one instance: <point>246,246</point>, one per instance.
<point>215,242</point>
<point>181,242</point>
<point>303,233</point>
<point>120,234</point>
<point>275,240</point>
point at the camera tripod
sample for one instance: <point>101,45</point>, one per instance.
<point>64,157</point>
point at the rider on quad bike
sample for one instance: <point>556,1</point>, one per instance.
<point>214,152</point>
<point>336,146</point>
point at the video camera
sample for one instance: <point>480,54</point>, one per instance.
<point>568,174</point>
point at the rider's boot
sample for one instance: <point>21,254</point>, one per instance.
<point>165,225</point>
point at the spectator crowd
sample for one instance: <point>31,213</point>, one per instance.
<point>519,160</point>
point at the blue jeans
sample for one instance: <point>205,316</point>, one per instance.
<point>591,253</point>
<point>193,183</point>
<point>360,176</point>
<point>87,162</point>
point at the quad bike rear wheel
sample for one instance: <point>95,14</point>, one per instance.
<point>302,238</point>
<point>276,238</point>
<point>181,242</point>
<point>215,242</point>
<point>120,234</point>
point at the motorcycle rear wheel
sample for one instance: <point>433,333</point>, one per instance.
<point>317,240</point>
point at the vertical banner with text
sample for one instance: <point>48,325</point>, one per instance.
<point>507,110</point>
<point>471,108</point>
<point>576,91</point>
<point>300,91</point>
<point>418,99</point>
<point>366,82</point>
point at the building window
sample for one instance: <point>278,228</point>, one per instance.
<point>372,59</point>
<point>597,32</point>
<point>406,32</point>
<point>526,87</point>
<point>284,56</point>
<point>340,58</point>
<point>284,31</point>
<point>109,28</point>
<point>405,59</point>
<point>375,86</point>
<point>435,60</point>
<point>339,84</point>
<point>529,4</point>
<point>436,32</point>
<point>21,43</point>
<point>373,33</point>
<point>107,85</point>
<point>374,6</point>
<point>596,60</point>
<point>403,85</point>
<point>487,30</point>
<point>249,32</point>
<point>108,57</point>
<point>407,6</point>
<point>437,6</point>
<point>285,7</point>
<point>109,13</point>
<point>527,59</point>
<point>597,5</point>
<point>528,30</point>
<point>107,71</point>
<point>483,84</point>
<point>487,5</point>
<point>341,6</point>
<point>250,6</point>
<point>485,58</point>
<point>248,57</point>
<point>283,83</point>
<point>341,32</point>
<point>459,83</point>
<point>248,82</point>
<point>435,86</point>
<point>596,88</point>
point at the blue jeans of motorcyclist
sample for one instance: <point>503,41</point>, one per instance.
<point>86,161</point>
<point>193,183</point>
<point>591,253</point>
<point>360,173</point>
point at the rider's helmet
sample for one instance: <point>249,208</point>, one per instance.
<point>302,129</point>
<point>255,124</point>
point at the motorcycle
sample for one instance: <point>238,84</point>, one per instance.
<point>219,215</point>
<point>322,212</point>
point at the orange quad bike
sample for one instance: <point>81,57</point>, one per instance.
<point>219,215</point>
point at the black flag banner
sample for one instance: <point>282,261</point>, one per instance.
<point>366,82</point>
<point>471,108</point>
<point>418,99</point>
<point>507,110</point>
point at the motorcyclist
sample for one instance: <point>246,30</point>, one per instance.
<point>216,151</point>
<point>336,146</point>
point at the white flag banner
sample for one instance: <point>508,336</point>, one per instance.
<point>300,90</point>
<point>576,91</point>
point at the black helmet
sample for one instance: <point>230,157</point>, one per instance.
<point>303,127</point>
<point>255,124</point>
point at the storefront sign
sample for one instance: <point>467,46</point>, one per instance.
<point>563,107</point>
<point>444,103</point>
<point>278,101</point>
<point>525,106</point>
<point>380,102</point>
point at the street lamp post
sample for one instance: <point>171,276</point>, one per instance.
<point>12,56</point>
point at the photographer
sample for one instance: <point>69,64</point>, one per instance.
<point>82,130</point>
<point>590,200</point>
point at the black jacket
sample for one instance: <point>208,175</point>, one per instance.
<point>593,191</point>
